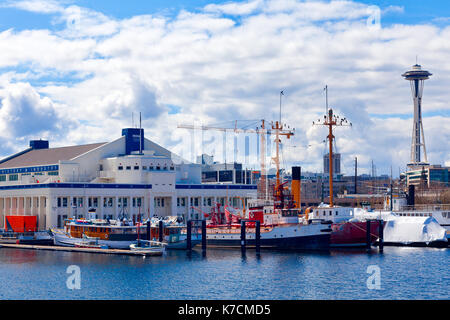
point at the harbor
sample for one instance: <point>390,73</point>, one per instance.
<point>225,274</point>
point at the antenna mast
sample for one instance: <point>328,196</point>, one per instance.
<point>140,134</point>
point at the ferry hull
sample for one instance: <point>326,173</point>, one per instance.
<point>295,237</point>
<point>317,242</point>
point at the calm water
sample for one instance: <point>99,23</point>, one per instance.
<point>406,273</point>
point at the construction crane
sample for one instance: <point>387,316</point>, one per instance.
<point>280,130</point>
<point>260,130</point>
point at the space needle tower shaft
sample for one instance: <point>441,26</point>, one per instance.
<point>416,77</point>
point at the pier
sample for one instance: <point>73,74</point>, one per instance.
<point>74,249</point>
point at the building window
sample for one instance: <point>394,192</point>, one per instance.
<point>2,177</point>
<point>64,202</point>
<point>195,202</point>
<point>207,201</point>
<point>136,167</point>
<point>78,202</point>
<point>123,202</point>
<point>151,168</point>
<point>159,202</point>
<point>144,167</point>
<point>107,202</point>
<point>137,202</point>
<point>128,167</point>
<point>158,168</point>
<point>120,167</point>
<point>181,202</point>
<point>52,173</point>
<point>93,202</point>
<point>172,168</point>
<point>13,177</point>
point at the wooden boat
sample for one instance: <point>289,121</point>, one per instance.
<point>118,234</point>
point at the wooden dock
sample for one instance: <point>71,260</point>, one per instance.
<point>74,249</point>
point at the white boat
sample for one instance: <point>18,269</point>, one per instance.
<point>90,242</point>
<point>151,248</point>
<point>407,227</point>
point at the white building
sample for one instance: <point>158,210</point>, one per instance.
<point>128,176</point>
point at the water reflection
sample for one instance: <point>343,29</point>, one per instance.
<point>226,274</point>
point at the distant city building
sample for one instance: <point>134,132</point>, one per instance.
<point>225,172</point>
<point>428,176</point>
<point>336,164</point>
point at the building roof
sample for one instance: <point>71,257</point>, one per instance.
<point>38,157</point>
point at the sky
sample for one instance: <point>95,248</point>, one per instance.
<point>76,72</point>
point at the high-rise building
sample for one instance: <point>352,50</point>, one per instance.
<point>336,164</point>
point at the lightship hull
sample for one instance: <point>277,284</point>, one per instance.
<point>353,234</point>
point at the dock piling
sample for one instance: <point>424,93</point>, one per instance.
<point>189,235</point>
<point>368,238</point>
<point>258,237</point>
<point>161,231</point>
<point>381,236</point>
<point>204,237</point>
<point>148,230</point>
<point>243,237</point>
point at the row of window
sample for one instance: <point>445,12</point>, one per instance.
<point>324,213</point>
<point>208,201</point>
<point>150,168</point>
<point>15,176</point>
<point>14,203</point>
<point>93,202</point>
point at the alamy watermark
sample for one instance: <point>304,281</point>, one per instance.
<point>374,280</point>
<point>374,20</point>
<point>73,282</point>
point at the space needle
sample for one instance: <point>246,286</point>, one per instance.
<point>416,77</point>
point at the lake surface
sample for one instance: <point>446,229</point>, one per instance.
<point>404,273</point>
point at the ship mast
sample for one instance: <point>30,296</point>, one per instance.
<point>331,120</point>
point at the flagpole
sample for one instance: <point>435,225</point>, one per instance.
<point>281,94</point>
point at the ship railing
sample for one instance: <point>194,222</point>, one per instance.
<point>426,207</point>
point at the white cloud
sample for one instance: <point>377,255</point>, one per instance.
<point>235,8</point>
<point>38,6</point>
<point>100,69</point>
